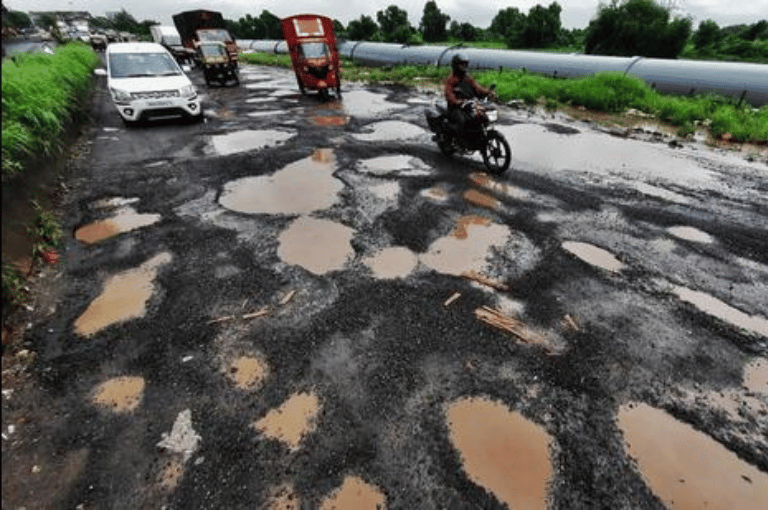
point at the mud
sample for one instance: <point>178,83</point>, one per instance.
<point>125,220</point>
<point>293,420</point>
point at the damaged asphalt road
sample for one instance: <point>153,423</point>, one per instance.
<point>299,304</point>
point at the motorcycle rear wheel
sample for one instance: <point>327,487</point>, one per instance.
<point>496,153</point>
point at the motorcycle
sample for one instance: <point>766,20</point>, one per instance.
<point>477,135</point>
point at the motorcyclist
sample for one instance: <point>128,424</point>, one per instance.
<point>459,88</point>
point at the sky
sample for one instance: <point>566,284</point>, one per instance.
<point>575,13</point>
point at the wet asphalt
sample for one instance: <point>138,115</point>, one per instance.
<point>279,308</point>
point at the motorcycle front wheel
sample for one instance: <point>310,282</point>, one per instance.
<point>446,145</point>
<point>496,153</point>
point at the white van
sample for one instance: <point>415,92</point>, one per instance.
<point>146,82</point>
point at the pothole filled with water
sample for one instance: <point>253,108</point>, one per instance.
<point>362,103</point>
<point>302,187</point>
<point>390,130</point>
<point>502,451</point>
<point>691,234</point>
<point>248,372</point>
<point>756,376</point>
<point>125,220</point>
<point>355,494</point>
<point>467,248</point>
<point>395,262</point>
<point>594,256</point>
<point>685,468</point>
<point>244,141</point>
<point>401,165</point>
<point>124,297</point>
<point>294,419</point>
<point>319,246</point>
<point>723,311</point>
<point>121,394</point>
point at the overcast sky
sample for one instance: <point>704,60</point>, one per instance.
<point>575,14</point>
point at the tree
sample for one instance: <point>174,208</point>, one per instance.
<point>707,34</point>
<point>433,23</point>
<point>394,26</point>
<point>338,29</point>
<point>363,29</point>
<point>542,26</point>
<point>464,32</point>
<point>507,22</point>
<point>636,27</point>
<point>16,19</point>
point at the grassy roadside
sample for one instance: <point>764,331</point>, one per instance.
<point>604,92</point>
<point>41,93</point>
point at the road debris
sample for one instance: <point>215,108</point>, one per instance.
<point>512,325</point>
<point>484,280</point>
<point>183,438</point>
<point>287,298</point>
<point>454,297</point>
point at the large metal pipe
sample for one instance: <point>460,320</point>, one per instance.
<point>743,81</point>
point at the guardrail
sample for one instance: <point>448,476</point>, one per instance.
<point>743,81</point>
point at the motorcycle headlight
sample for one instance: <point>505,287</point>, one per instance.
<point>188,91</point>
<point>493,115</point>
<point>120,96</point>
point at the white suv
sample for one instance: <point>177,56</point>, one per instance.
<point>146,82</point>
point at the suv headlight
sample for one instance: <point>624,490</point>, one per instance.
<point>120,96</point>
<point>188,91</point>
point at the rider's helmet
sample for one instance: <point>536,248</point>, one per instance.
<point>458,60</point>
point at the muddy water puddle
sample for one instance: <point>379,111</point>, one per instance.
<point>293,420</point>
<point>480,199</point>
<point>500,188</point>
<point>436,194</point>
<point>691,234</point>
<point>248,372</point>
<point>594,256</point>
<point>124,297</point>
<point>121,394</point>
<point>319,246</point>
<point>395,262</point>
<point>247,140</point>
<point>686,468</point>
<point>125,220</point>
<point>468,247</point>
<point>302,187</point>
<point>723,311</point>
<point>502,451</point>
<point>355,494</point>
<point>390,130</point>
<point>756,376</point>
<point>655,191</point>
<point>362,103</point>
<point>401,165</point>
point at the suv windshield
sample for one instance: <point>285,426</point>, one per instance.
<point>129,65</point>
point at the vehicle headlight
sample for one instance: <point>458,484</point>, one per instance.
<point>493,115</point>
<point>188,91</point>
<point>121,96</point>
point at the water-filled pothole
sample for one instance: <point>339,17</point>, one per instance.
<point>319,246</point>
<point>390,130</point>
<point>121,394</point>
<point>685,468</point>
<point>243,141</point>
<point>756,376</point>
<point>124,297</point>
<point>395,262</point>
<point>125,220</point>
<point>294,419</point>
<point>402,165</point>
<point>248,372</point>
<point>691,234</point>
<point>467,248</point>
<point>355,494</point>
<point>593,255</point>
<point>723,311</point>
<point>302,187</point>
<point>502,451</point>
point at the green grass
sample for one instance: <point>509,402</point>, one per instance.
<point>39,94</point>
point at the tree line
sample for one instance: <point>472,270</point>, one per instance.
<point>621,27</point>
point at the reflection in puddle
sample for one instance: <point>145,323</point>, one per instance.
<point>362,103</point>
<point>243,141</point>
<point>756,376</point>
<point>329,120</point>
<point>291,421</point>
<point>484,180</point>
<point>302,187</point>
<point>502,451</point>
<point>685,468</point>
<point>127,219</point>
<point>124,297</point>
<point>248,373</point>
<point>691,234</point>
<point>480,199</point>
<point>390,130</point>
<point>121,394</point>
<point>598,153</point>
<point>392,262</point>
<point>723,311</point>
<point>593,255</point>
<point>319,246</point>
<point>355,494</point>
<point>467,248</point>
<point>400,164</point>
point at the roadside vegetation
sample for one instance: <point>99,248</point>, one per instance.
<point>41,93</point>
<point>604,92</point>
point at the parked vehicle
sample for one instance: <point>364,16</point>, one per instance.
<point>98,42</point>
<point>314,54</point>
<point>216,63</point>
<point>477,135</point>
<point>169,37</point>
<point>202,25</point>
<point>146,82</point>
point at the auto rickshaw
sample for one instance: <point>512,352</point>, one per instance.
<point>314,55</point>
<point>216,63</point>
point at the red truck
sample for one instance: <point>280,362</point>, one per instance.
<point>201,25</point>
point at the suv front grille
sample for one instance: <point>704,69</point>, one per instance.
<point>157,94</point>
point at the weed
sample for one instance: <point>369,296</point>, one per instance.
<point>45,232</point>
<point>13,287</point>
